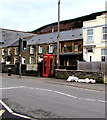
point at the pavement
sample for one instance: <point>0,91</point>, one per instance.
<point>97,86</point>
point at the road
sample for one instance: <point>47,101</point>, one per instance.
<point>40,99</point>
<point>5,114</point>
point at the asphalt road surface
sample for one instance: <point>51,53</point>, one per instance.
<point>6,115</point>
<point>40,99</point>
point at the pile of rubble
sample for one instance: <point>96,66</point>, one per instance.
<point>76,79</point>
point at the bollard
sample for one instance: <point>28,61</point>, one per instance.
<point>9,71</point>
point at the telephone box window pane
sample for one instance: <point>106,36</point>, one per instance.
<point>44,66</point>
<point>51,64</point>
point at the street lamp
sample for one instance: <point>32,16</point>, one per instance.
<point>58,38</point>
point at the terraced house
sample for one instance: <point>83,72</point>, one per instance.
<point>70,47</point>
<point>74,45</point>
<point>7,49</point>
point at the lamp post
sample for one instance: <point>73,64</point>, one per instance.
<point>58,38</point>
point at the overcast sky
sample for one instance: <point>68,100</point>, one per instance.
<point>28,15</point>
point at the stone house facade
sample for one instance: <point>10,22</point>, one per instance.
<point>39,45</point>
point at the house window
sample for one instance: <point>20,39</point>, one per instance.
<point>9,50</point>
<point>16,51</point>
<point>2,60</point>
<point>31,50</point>
<point>66,47</point>
<point>76,48</point>
<point>15,60</point>
<point>40,49</point>
<point>89,35</point>
<point>103,55</point>
<point>103,51</point>
<point>104,33</point>
<point>23,60</point>
<point>50,48</point>
<point>31,60</point>
<point>3,51</point>
<point>40,59</point>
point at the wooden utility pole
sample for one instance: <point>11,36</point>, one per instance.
<point>20,56</point>
<point>58,38</point>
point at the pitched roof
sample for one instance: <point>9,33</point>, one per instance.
<point>52,37</point>
<point>7,36</point>
<point>16,43</point>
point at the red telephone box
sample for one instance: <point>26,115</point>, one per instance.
<point>48,65</point>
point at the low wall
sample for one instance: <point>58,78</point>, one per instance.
<point>64,74</point>
<point>14,68</point>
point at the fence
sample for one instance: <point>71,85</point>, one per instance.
<point>92,66</point>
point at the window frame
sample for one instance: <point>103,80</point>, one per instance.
<point>104,55</point>
<point>40,49</point>
<point>90,35</point>
<point>15,60</point>
<point>3,51</point>
<point>16,51</point>
<point>9,51</point>
<point>51,49</point>
<point>31,50</point>
<point>30,61</point>
<point>22,61</point>
<point>104,33</point>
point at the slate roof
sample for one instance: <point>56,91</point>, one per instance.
<point>52,37</point>
<point>9,36</point>
<point>16,43</point>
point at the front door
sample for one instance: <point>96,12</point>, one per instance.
<point>90,56</point>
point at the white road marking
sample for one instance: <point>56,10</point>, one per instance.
<point>13,113</point>
<point>68,95</point>
<point>58,92</point>
<point>7,108</point>
<point>1,112</point>
<point>7,88</point>
<point>23,116</point>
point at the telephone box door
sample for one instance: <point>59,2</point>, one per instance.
<point>48,65</point>
<point>45,68</point>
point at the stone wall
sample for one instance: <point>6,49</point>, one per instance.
<point>14,68</point>
<point>64,74</point>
